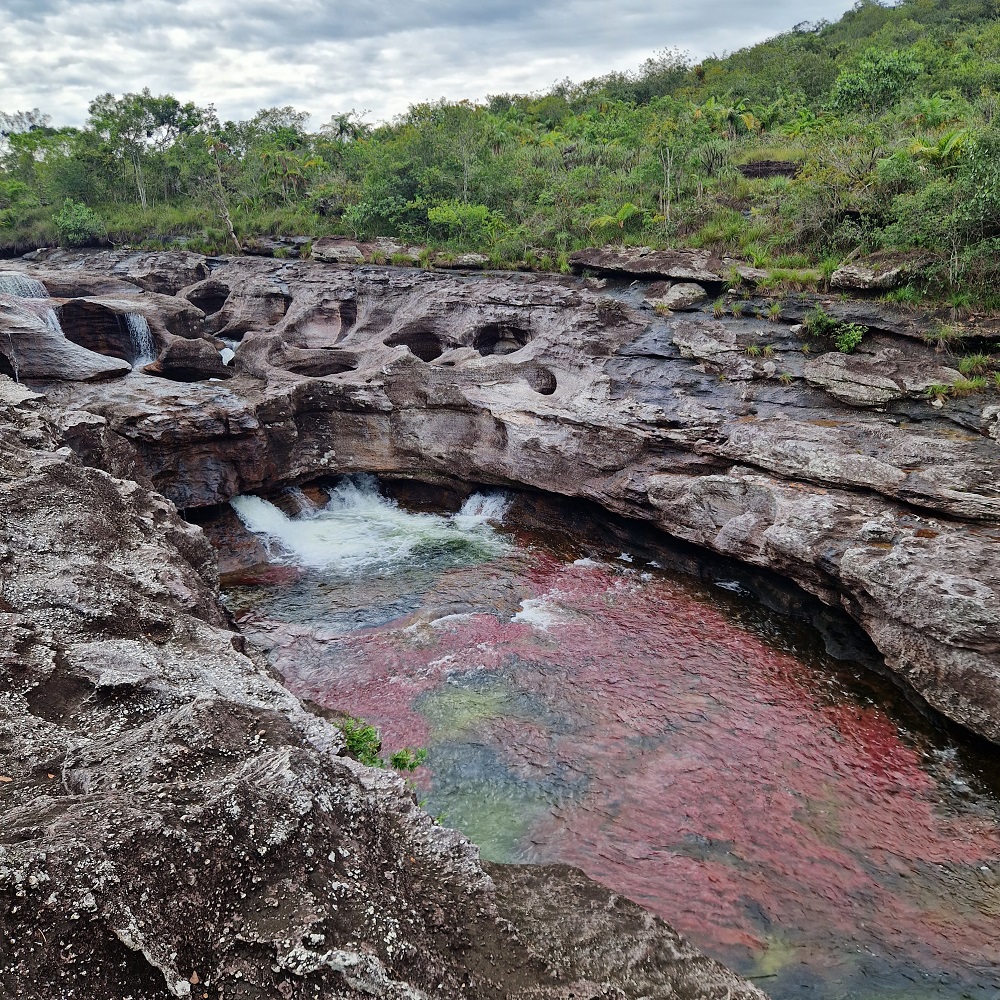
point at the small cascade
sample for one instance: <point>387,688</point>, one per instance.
<point>21,286</point>
<point>360,530</point>
<point>143,346</point>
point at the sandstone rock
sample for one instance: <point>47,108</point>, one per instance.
<point>545,383</point>
<point>684,296</point>
<point>189,361</point>
<point>33,346</point>
<point>678,265</point>
<point>853,380</point>
<point>475,261</point>
<point>337,250</point>
<point>174,817</point>
<point>876,274</point>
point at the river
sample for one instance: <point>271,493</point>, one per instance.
<point>585,701</point>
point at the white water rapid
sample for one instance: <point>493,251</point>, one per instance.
<point>359,529</point>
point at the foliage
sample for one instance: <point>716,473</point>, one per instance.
<point>77,225</point>
<point>885,126</point>
<point>364,744</point>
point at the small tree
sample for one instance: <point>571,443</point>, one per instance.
<point>78,225</point>
<point>880,80</point>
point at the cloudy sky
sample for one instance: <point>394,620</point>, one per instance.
<point>328,56</point>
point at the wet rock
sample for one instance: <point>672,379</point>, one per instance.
<point>175,821</point>
<point>547,383</point>
<point>32,346</point>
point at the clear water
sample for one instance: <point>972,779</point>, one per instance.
<point>790,813</point>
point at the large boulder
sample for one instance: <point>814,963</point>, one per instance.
<point>678,265</point>
<point>880,273</point>
<point>337,250</point>
<point>189,361</point>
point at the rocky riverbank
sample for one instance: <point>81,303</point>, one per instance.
<point>175,823</point>
<point>200,825</point>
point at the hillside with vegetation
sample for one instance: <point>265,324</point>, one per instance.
<point>877,133</point>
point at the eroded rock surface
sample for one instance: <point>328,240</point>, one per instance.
<point>174,823</point>
<point>732,433</point>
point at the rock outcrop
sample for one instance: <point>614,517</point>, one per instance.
<point>837,471</point>
<point>176,824</point>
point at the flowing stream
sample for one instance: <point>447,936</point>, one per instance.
<point>791,813</point>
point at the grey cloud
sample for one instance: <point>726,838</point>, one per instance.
<point>329,56</point>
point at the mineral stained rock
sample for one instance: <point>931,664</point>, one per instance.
<point>839,474</point>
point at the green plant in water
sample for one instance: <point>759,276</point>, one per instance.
<point>364,744</point>
<point>408,759</point>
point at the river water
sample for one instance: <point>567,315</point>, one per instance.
<point>789,812</point>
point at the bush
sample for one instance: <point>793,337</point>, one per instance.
<point>364,744</point>
<point>78,225</point>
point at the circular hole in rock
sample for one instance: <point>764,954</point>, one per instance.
<point>106,332</point>
<point>210,296</point>
<point>425,344</point>
<point>499,338</point>
<point>542,381</point>
<point>318,364</point>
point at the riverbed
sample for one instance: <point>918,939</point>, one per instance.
<point>669,733</point>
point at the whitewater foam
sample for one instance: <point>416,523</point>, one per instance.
<point>359,529</point>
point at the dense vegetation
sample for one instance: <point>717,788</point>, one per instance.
<point>885,126</point>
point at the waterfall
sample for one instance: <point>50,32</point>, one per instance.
<point>143,345</point>
<point>21,286</point>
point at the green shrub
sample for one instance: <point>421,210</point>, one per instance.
<point>78,225</point>
<point>848,336</point>
<point>364,744</point>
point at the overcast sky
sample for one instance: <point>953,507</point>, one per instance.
<point>328,56</point>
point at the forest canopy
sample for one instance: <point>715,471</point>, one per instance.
<point>878,132</point>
